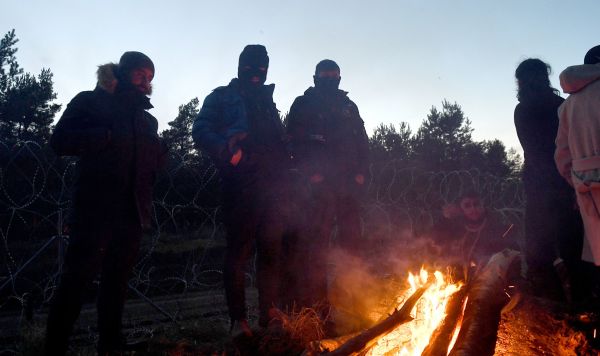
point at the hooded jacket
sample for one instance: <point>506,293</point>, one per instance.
<point>577,154</point>
<point>578,137</point>
<point>118,147</point>
<point>328,136</point>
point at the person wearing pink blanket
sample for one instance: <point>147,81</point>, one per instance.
<point>577,155</point>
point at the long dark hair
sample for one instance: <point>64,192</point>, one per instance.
<point>532,76</point>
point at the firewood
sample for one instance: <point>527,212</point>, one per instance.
<point>365,340</point>
<point>479,328</point>
<point>326,345</point>
<point>442,336</point>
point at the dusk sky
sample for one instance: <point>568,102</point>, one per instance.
<point>397,58</point>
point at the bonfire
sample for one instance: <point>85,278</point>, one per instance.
<point>436,316</point>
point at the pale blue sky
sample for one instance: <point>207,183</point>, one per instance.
<point>398,57</point>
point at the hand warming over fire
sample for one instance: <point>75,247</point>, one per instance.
<point>360,179</point>
<point>316,178</point>
<point>236,158</point>
<point>450,211</point>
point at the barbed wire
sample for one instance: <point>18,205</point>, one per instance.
<point>184,251</point>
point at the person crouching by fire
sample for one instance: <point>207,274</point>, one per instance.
<point>119,152</point>
<point>469,234</point>
<point>330,148</point>
<point>239,127</point>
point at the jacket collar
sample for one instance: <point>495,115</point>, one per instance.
<point>263,90</point>
<point>317,92</point>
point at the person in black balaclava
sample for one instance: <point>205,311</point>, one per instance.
<point>119,153</point>
<point>240,128</point>
<point>330,148</point>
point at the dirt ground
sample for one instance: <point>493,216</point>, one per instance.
<point>534,327</point>
<point>542,327</point>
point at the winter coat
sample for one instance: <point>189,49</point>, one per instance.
<point>578,138</point>
<point>536,121</point>
<point>328,137</point>
<point>231,119</point>
<point>577,153</point>
<point>118,147</point>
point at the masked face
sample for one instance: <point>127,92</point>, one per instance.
<point>253,74</point>
<point>327,80</point>
<point>140,79</point>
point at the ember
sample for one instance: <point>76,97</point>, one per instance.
<point>413,337</point>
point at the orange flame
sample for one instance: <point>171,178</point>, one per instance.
<point>412,338</point>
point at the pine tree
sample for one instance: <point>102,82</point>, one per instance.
<point>26,108</point>
<point>442,137</point>
<point>179,136</point>
<point>387,142</point>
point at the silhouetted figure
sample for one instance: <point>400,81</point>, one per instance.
<point>469,234</point>
<point>330,148</point>
<point>239,126</point>
<point>119,154</point>
<point>578,145</point>
<point>552,225</point>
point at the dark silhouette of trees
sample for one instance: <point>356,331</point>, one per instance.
<point>26,108</point>
<point>387,142</point>
<point>178,137</point>
<point>443,142</point>
<point>189,177</point>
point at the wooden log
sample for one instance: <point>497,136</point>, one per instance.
<point>365,340</point>
<point>479,328</point>
<point>318,347</point>
<point>442,336</point>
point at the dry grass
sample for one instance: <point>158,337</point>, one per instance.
<point>290,334</point>
<point>304,325</point>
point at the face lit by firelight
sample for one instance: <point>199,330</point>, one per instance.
<point>472,209</point>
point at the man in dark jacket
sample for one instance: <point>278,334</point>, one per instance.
<point>331,150</point>
<point>119,154</point>
<point>239,126</point>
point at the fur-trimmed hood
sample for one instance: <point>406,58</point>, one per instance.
<point>107,78</point>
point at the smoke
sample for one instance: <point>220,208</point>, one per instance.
<point>365,289</point>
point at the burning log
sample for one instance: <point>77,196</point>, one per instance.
<point>321,346</point>
<point>442,336</point>
<point>479,328</point>
<point>364,340</point>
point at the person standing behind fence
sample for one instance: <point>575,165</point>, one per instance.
<point>239,126</point>
<point>330,148</point>
<point>553,230</point>
<point>577,153</point>
<point>119,154</point>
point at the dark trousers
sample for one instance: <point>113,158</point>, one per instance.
<point>253,217</point>
<point>310,250</point>
<point>110,248</point>
<point>553,229</point>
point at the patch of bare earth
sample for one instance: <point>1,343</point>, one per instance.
<point>540,327</point>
